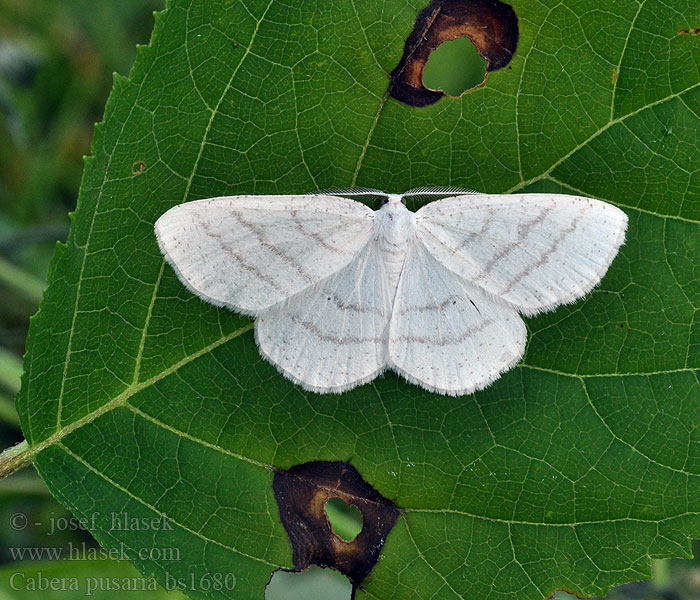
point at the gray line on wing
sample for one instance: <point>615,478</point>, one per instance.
<point>475,234</point>
<point>316,236</point>
<point>427,229</point>
<point>451,299</point>
<point>447,340</point>
<point>274,250</point>
<point>311,327</point>
<point>482,273</point>
<point>343,304</point>
<point>239,257</point>
<point>547,255</point>
<point>524,230</point>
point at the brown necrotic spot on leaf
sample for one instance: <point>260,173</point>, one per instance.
<point>492,26</point>
<point>302,493</point>
<point>138,167</point>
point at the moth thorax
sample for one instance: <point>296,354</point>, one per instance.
<point>396,227</point>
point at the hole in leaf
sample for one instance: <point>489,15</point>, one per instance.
<point>491,25</point>
<point>313,584</point>
<point>302,493</point>
<point>455,67</point>
<point>346,520</point>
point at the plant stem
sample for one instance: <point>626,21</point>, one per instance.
<point>14,458</point>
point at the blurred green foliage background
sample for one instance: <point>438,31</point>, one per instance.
<point>56,63</point>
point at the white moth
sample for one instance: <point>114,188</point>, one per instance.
<point>341,293</point>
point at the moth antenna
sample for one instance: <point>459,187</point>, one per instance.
<point>351,191</point>
<point>439,191</point>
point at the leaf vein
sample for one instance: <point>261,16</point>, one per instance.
<point>126,491</point>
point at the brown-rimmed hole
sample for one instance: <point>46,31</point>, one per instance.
<point>302,492</point>
<point>345,519</point>
<point>454,67</point>
<point>491,25</point>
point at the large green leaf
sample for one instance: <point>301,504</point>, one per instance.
<point>570,471</point>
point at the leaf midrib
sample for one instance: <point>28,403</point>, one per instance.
<point>121,488</point>
<point>406,510</point>
<point>122,398</point>
<point>122,401</point>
